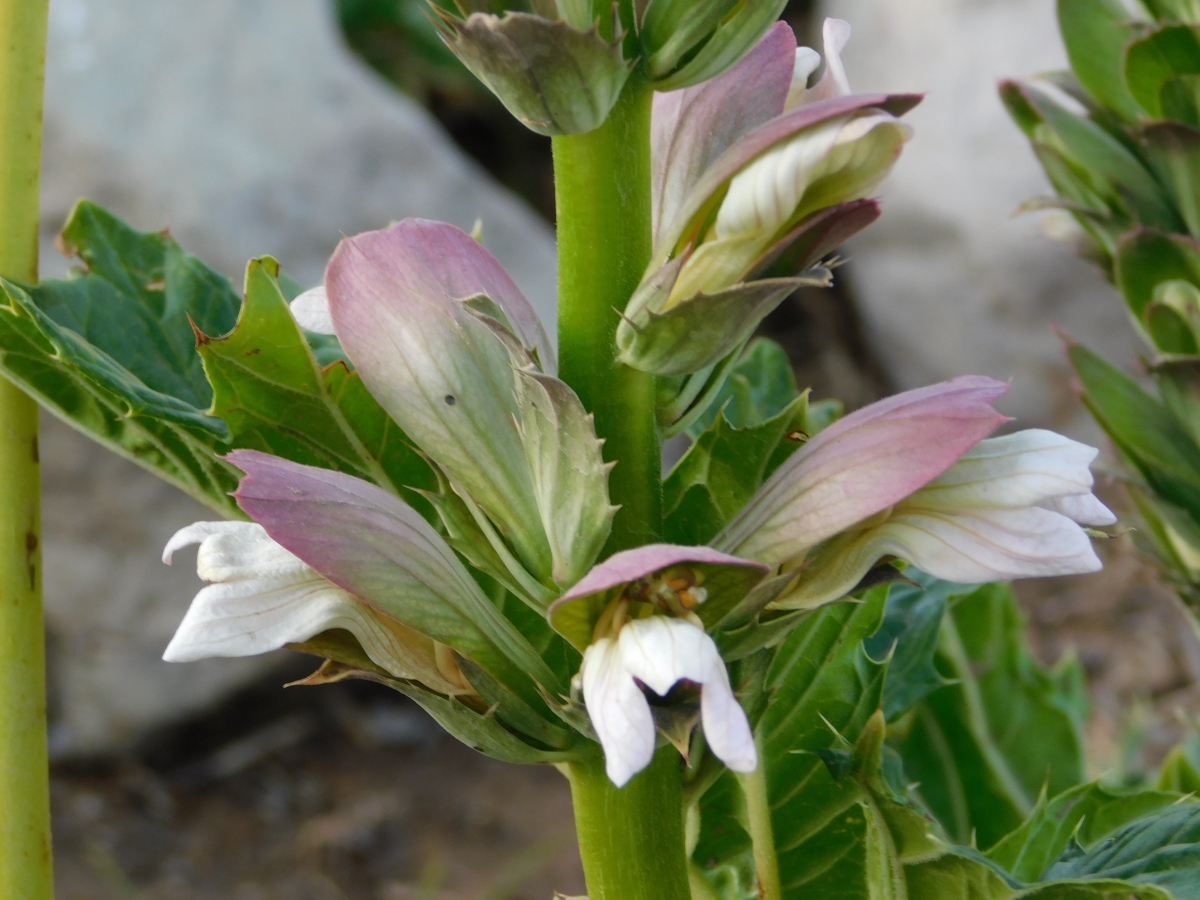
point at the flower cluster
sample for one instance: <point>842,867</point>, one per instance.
<point>497,610</point>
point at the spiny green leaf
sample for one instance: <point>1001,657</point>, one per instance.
<point>910,632</point>
<point>724,467</point>
<point>759,387</point>
<point>1086,813</point>
<point>1161,850</point>
<point>275,398</point>
<point>111,351</point>
<point>968,744</point>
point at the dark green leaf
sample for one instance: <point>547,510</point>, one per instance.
<point>910,632</point>
<point>759,387</point>
<point>968,744</point>
<point>111,351</point>
<point>1162,850</point>
<point>1085,813</point>
<point>821,679</point>
<point>724,467</point>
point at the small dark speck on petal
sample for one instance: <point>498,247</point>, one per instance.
<point>450,400</point>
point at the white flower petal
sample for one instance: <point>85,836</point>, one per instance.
<point>619,712</point>
<point>261,597</point>
<point>969,547</point>
<point>311,311</point>
<point>1027,468</point>
<point>807,61</point>
<point>835,35</point>
<point>991,545</point>
<point>1085,509</point>
<point>660,651</point>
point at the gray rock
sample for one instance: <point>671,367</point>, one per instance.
<point>949,281</point>
<point>247,128</point>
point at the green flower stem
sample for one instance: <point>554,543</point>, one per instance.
<point>631,839</point>
<point>25,867</point>
<point>602,193</point>
<point>758,812</point>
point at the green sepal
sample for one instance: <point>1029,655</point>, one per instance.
<point>269,389</point>
<point>570,476</point>
<point>111,351</point>
<point>513,712</point>
<point>700,330</point>
<point>556,79</point>
<point>479,729</point>
<point>1146,258</point>
<point>671,28</point>
<point>1174,149</point>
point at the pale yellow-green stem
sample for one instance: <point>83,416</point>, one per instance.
<point>25,861</point>
<point>762,832</point>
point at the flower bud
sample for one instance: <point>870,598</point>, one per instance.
<point>552,75</point>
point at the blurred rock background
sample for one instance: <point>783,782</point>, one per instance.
<point>274,126</point>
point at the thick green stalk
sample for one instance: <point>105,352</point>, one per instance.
<point>631,839</point>
<point>25,867</point>
<point>602,192</point>
<point>762,833</point>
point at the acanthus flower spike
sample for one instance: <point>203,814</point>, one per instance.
<point>744,166</point>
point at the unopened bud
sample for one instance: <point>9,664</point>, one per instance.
<point>553,76</point>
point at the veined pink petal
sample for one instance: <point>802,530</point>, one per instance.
<point>630,565</point>
<point>670,231</point>
<point>439,371</point>
<point>692,127</point>
<point>861,465</point>
<point>371,543</point>
<point>725,580</point>
<point>437,262</point>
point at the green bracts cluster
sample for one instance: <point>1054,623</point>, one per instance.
<point>1119,138</point>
